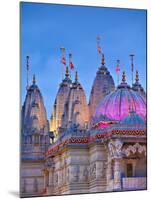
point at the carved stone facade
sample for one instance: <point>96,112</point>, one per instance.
<point>79,155</point>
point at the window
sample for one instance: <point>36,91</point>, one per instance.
<point>129,169</point>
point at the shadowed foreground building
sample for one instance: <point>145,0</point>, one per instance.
<point>90,148</point>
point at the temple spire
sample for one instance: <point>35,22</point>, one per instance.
<point>103,59</point>
<point>123,77</point>
<point>76,76</point>
<point>34,79</point>
<point>137,76</point>
<point>67,72</point>
<point>27,71</point>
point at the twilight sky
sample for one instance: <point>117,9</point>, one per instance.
<point>47,27</point>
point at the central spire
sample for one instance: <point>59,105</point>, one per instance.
<point>34,79</point>
<point>76,76</point>
<point>67,72</point>
<point>123,77</point>
<point>137,76</point>
<point>103,59</point>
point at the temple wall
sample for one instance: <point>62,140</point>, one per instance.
<point>32,179</point>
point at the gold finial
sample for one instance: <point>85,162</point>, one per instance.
<point>103,60</point>
<point>67,71</point>
<point>137,76</point>
<point>76,76</point>
<point>34,79</point>
<point>123,77</point>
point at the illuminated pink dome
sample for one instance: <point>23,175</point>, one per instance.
<point>117,104</point>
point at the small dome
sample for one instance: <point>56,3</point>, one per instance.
<point>116,105</point>
<point>33,111</point>
<point>60,101</point>
<point>132,119</point>
<point>76,109</point>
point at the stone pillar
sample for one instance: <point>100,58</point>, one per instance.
<point>46,176</point>
<point>50,177</point>
<point>100,170</point>
<point>109,171</point>
<point>117,174</point>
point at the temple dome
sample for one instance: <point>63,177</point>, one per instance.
<point>61,98</point>
<point>116,105</point>
<point>76,109</point>
<point>34,119</point>
<point>133,119</point>
<point>103,84</point>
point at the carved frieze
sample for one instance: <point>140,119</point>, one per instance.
<point>115,148</point>
<point>134,148</point>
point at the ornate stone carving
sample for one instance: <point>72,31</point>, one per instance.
<point>115,148</point>
<point>134,148</point>
<point>103,169</point>
<point>56,178</point>
<point>77,171</point>
<point>85,174</point>
<point>93,171</point>
<point>68,174</point>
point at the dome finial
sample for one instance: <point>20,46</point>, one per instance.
<point>76,76</point>
<point>67,72</point>
<point>137,76</point>
<point>103,59</point>
<point>123,77</point>
<point>34,79</point>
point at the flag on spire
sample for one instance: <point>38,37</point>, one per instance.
<point>63,59</point>
<point>27,71</point>
<point>70,62</point>
<point>132,65</point>
<point>98,44</point>
<point>117,68</point>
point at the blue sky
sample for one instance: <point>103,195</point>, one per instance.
<point>47,27</point>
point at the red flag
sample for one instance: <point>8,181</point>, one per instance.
<point>117,69</point>
<point>71,65</point>
<point>70,61</point>
<point>63,60</point>
<point>99,49</point>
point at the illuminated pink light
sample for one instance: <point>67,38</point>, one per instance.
<point>117,104</point>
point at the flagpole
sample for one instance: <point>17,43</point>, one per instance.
<point>98,49</point>
<point>132,65</point>
<point>27,71</point>
<point>70,57</point>
<point>118,71</point>
<point>62,49</point>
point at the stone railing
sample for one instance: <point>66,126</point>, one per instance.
<point>135,183</point>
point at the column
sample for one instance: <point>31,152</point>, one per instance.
<point>117,174</point>
<point>109,171</point>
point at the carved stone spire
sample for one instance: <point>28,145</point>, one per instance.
<point>123,77</point>
<point>103,59</point>
<point>34,79</point>
<point>137,76</point>
<point>67,72</point>
<point>76,76</point>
